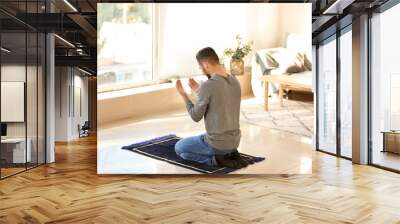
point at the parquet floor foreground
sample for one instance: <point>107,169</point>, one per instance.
<point>70,191</point>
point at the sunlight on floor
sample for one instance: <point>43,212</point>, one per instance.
<point>285,153</point>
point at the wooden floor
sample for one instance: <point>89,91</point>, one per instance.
<point>70,191</point>
<point>284,152</point>
<point>10,171</point>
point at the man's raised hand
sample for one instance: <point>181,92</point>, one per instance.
<point>179,87</point>
<point>193,85</point>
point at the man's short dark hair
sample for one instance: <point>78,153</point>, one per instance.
<point>207,54</point>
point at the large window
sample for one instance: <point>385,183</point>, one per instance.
<point>385,89</point>
<point>327,96</point>
<point>346,93</point>
<point>142,43</point>
<point>335,61</point>
<point>124,44</point>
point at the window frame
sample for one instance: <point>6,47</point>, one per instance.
<point>333,37</point>
<point>371,14</point>
<point>155,77</point>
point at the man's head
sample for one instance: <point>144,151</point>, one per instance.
<point>207,59</point>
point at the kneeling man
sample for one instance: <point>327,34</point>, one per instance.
<point>219,103</point>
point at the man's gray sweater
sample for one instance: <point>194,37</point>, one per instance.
<point>218,101</point>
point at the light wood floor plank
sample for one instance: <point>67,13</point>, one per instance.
<point>70,191</point>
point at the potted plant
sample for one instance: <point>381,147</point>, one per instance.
<point>237,54</point>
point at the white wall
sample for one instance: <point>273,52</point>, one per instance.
<point>296,18</point>
<point>33,126</point>
<point>186,28</point>
<point>80,103</point>
<point>69,82</point>
<point>82,82</point>
<point>12,73</point>
<point>13,101</point>
<point>61,103</point>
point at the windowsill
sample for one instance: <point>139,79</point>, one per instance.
<point>150,87</point>
<point>144,89</point>
<point>134,91</point>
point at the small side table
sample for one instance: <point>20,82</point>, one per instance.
<point>285,82</point>
<point>391,141</point>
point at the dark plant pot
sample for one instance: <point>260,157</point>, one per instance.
<point>237,66</point>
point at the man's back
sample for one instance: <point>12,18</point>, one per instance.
<point>222,112</point>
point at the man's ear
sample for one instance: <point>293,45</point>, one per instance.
<point>206,65</point>
<point>201,63</point>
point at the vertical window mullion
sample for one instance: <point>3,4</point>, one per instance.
<point>369,81</point>
<point>37,90</point>
<point>338,80</point>
<point>26,89</point>
<point>316,114</point>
